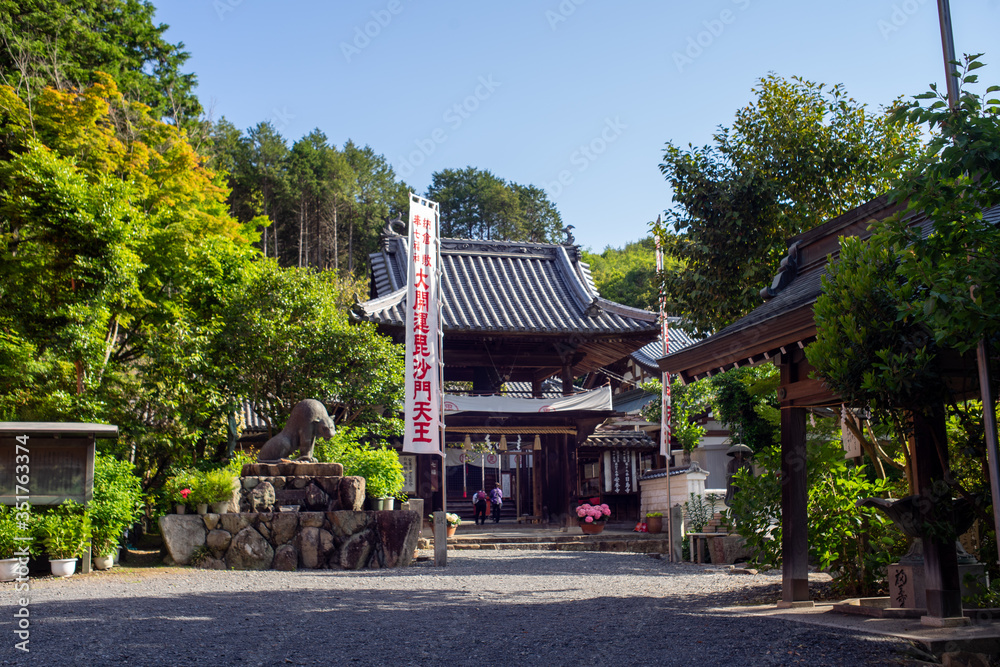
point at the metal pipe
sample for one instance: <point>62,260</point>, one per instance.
<point>983,348</point>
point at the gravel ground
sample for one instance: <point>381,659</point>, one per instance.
<point>485,608</point>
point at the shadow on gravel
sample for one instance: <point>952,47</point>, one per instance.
<point>329,625</point>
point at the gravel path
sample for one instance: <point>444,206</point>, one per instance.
<point>486,608</point>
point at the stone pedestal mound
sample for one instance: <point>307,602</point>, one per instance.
<point>312,487</point>
<point>294,540</point>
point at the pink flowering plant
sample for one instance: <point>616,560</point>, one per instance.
<point>593,513</point>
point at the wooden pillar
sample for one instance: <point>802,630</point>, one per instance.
<point>567,379</point>
<point>794,494</point>
<point>944,596</point>
<point>794,498</point>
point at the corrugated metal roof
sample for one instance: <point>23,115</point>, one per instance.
<point>619,440</point>
<point>504,286</point>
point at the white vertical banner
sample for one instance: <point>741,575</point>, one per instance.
<point>423,342</point>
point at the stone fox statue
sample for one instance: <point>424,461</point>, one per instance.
<point>308,421</point>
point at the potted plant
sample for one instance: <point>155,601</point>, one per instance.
<point>178,490</point>
<point>199,496</point>
<point>382,471</point>
<point>654,522</point>
<point>592,517</point>
<point>116,505</point>
<point>65,532</point>
<point>454,521</point>
<point>218,487</point>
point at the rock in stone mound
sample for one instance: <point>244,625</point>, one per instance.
<point>283,526</point>
<point>285,558</point>
<point>182,533</point>
<point>356,552</point>
<point>399,532</point>
<point>218,541</point>
<point>249,551</point>
<point>352,493</point>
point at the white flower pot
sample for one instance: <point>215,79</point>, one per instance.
<point>181,509</point>
<point>63,567</point>
<point>104,562</point>
<point>203,508</point>
<point>220,507</point>
<point>8,569</point>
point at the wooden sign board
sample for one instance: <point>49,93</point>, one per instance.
<point>48,462</point>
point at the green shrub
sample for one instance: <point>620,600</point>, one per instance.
<point>9,531</point>
<point>117,502</point>
<point>379,466</point>
<point>217,485</point>
<point>855,544</point>
<point>65,530</point>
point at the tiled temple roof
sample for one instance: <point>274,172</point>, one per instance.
<point>496,286</point>
<point>620,440</point>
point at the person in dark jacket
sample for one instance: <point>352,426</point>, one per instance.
<point>479,502</point>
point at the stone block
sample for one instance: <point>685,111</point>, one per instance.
<point>331,485</point>
<point>283,527</point>
<point>316,498</point>
<point>297,482</point>
<point>278,483</point>
<point>290,497</point>
<point>727,549</point>
<point>311,519</point>
<point>182,534</point>
<point>285,558</point>
<point>398,533</point>
<point>307,543</point>
<point>249,551</point>
<point>344,524</point>
<point>352,493</point>
<point>907,589</point>
<point>234,523</point>
<point>355,552</point>
<point>218,541</point>
<point>211,521</point>
<point>250,482</point>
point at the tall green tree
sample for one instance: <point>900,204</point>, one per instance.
<point>476,204</point>
<point>377,198</point>
<point>64,43</point>
<point>628,275</point>
<point>798,155</point>
<point>953,183</point>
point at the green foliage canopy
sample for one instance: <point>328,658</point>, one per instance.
<point>798,155</point>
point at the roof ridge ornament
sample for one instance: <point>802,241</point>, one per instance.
<point>568,231</point>
<point>390,227</point>
<point>786,273</point>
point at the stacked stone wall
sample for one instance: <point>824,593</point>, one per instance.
<point>348,540</point>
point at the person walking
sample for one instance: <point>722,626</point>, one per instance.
<point>479,502</point>
<point>496,499</point>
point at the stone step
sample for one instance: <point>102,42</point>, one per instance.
<point>619,544</point>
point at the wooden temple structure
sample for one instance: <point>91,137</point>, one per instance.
<point>777,332</point>
<point>514,313</point>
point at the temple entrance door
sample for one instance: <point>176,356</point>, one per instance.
<point>516,478</point>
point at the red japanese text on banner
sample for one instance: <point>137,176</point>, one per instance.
<point>423,379</point>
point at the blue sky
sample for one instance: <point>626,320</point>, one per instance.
<point>574,96</point>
